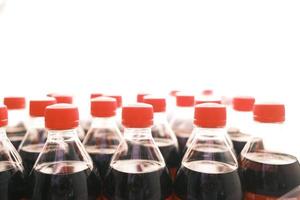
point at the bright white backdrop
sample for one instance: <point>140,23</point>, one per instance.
<point>79,46</point>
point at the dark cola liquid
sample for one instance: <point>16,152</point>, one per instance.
<point>68,180</point>
<point>101,157</point>
<point>239,140</point>
<point>208,180</point>
<point>182,138</point>
<point>170,152</point>
<point>267,176</point>
<point>138,180</point>
<point>16,134</point>
<point>29,155</point>
<point>11,182</point>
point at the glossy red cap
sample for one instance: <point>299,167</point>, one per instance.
<point>158,103</point>
<point>14,102</point>
<point>37,107</point>
<point>210,115</point>
<point>118,99</point>
<point>61,98</point>
<point>61,116</point>
<point>139,115</point>
<point>103,107</point>
<point>269,113</point>
<point>243,103</point>
<point>94,95</point>
<point>3,115</point>
<point>140,97</point>
<point>185,100</point>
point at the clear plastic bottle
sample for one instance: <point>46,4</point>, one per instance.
<point>11,168</point>
<point>34,139</point>
<point>195,131</point>
<point>137,169</point>
<point>171,104</point>
<point>64,98</point>
<point>64,170</point>
<point>104,135</point>
<point>206,98</point>
<point>182,122</point>
<point>269,161</point>
<point>163,135</point>
<point>86,122</point>
<point>240,120</point>
<point>209,169</point>
<point>16,128</point>
<point>119,110</point>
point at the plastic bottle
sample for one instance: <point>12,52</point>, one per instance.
<point>163,135</point>
<point>16,128</point>
<point>64,170</point>
<point>34,139</point>
<point>182,122</point>
<point>209,169</point>
<point>86,122</point>
<point>240,120</point>
<point>11,168</point>
<point>269,161</point>
<point>171,104</point>
<point>137,169</point>
<point>119,110</point>
<point>63,98</point>
<point>104,135</point>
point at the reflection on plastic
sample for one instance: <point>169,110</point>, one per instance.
<point>292,195</point>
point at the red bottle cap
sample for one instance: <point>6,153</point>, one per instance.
<point>13,103</point>
<point>61,98</point>
<point>37,107</point>
<point>94,95</point>
<point>103,107</point>
<point>185,100</point>
<point>139,115</point>
<point>243,103</point>
<point>118,99</point>
<point>210,115</point>
<point>173,93</point>
<point>140,97</point>
<point>158,103</point>
<point>207,92</point>
<point>3,115</point>
<point>61,116</point>
<point>269,112</point>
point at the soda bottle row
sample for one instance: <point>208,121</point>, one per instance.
<point>141,151</point>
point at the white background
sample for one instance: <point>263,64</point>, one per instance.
<point>79,46</point>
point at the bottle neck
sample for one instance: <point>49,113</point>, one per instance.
<point>103,122</point>
<point>16,116</point>
<point>59,135</point>
<point>267,130</point>
<point>137,133</point>
<point>185,112</point>
<point>37,122</point>
<point>2,132</point>
<point>209,132</point>
<point>160,118</point>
